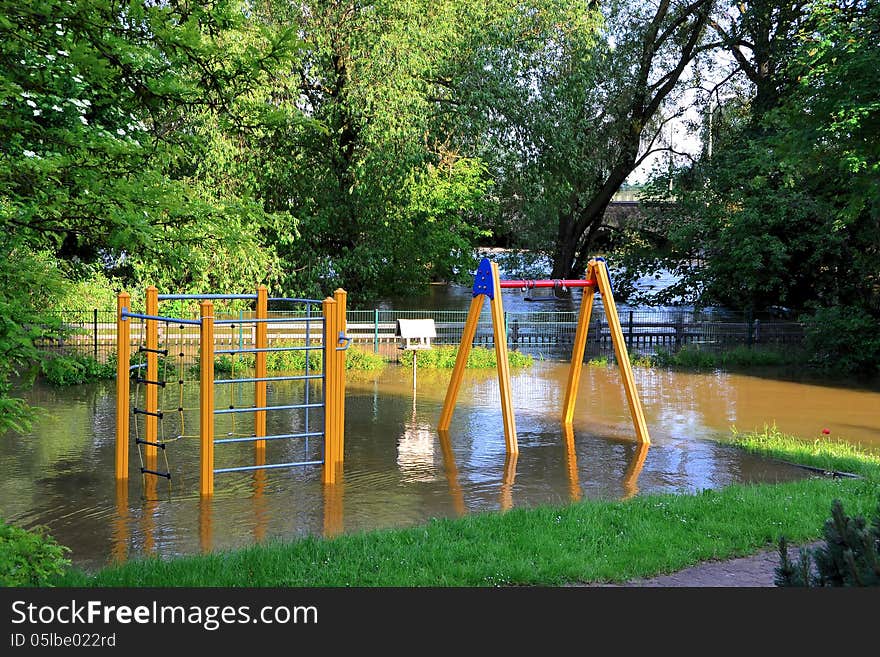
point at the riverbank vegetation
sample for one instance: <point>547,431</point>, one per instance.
<point>313,145</point>
<point>443,357</point>
<point>588,541</point>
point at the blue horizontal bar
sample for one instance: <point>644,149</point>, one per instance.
<point>169,297</point>
<point>270,320</point>
<point>268,467</point>
<point>302,377</point>
<point>295,300</point>
<point>159,318</point>
<point>254,409</point>
<point>279,436</point>
<point>263,349</point>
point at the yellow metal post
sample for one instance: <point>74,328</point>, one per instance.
<point>206,397</point>
<point>508,480</point>
<point>260,372</point>
<point>119,552</point>
<point>571,466</point>
<point>123,352</point>
<point>340,296</point>
<point>206,524</point>
<point>331,332</point>
<point>152,389</point>
<point>464,351</point>
<point>577,352</point>
<point>620,352</point>
<point>503,364</point>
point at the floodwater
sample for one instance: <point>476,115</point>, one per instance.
<point>398,471</point>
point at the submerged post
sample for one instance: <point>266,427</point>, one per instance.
<point>260,373</point>
<point>620,352</point>
<point>123,351</point>
<point>206,397</point>
<point>328,474</point>
<point>341,297</point>
<point>152,389</point>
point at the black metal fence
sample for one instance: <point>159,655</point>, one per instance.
<point>551,333</point>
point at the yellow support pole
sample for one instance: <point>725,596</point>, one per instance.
<point>123,355</point>
<point>340,296</point>
<point>620,352</point>
<point>577,352</point>
<point>328,474</point>
<point>206,397</point>
<point>571,466</point>
<point>508,480</point>
<point>152,390</point>
<point>260,372</point>
<point>503,364</point>
<point>464,351</point>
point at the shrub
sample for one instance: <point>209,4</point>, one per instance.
<point>849,557</point>
<point>62,370</point>
<point>443,357</point>
<point>29,558</point>
<point>295,361</point>
<point>843,338</point>
<point>693,357</point>
<point>363,360</point>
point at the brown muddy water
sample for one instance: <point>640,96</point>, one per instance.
<point>398,471</point>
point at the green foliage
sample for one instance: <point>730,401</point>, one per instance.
<point>295,361</point>
<point>844,339</point>
<point>784,210</point>
<point>67,370</point>
<point>443,357</point>
<point>101,105</point>
<point>850,555</point>
<point>26,279</point>
<point>693,357</point>
<point>30,558</point>
<point>363,360</point>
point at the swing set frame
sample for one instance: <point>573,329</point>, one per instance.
<point>488,284</point>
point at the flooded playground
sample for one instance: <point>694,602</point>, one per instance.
<point>398,471</point>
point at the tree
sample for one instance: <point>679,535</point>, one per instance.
<point>575,111</point>
<point>99,108</point>
<point>360,153</point>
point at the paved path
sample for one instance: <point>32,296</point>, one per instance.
<point>757,570</point>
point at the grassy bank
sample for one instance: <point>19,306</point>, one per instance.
<point>583,542</point>
<point>443,357</point>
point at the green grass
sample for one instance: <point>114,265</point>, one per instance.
<point>443,357</point>
<point>588,541</point>
<point>693,357</point>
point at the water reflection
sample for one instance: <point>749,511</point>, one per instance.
<point>571,465</point>
<point>508,480</point>
<point>398,471</point>
<point>634,469</point>
<point>451,472</point>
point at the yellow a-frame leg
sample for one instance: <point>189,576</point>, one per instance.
<point>464,351</point>
<point>577,352</point>
<point>596,271</point>
<point>492,289</point>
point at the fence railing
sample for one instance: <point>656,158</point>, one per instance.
<point>93,332</point>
